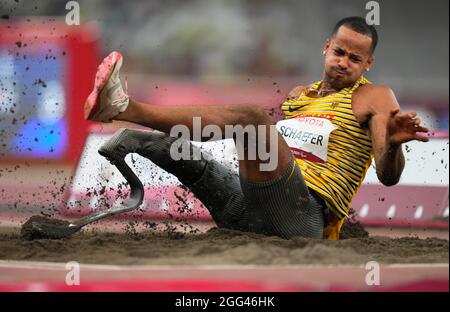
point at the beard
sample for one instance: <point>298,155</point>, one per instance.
<point>339,78</point>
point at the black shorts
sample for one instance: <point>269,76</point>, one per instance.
<point>283,207</point>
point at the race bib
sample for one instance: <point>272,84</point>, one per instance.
<point>307,137</point>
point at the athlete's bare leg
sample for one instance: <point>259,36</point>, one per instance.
<point>163,118</point>
<point>109,101</point>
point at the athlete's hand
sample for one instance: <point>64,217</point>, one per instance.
<point>405,127</point>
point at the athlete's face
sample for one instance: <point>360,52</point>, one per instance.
<point>347,56</point>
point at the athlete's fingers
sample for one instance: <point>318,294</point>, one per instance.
<point>395,112</point>
<point>421,138</point>
<point>407,123</point>
<point>421,129</point>
<point>414,122</point>
<point>408,115</point>
<point>406,118</point>
<point>417,121</point>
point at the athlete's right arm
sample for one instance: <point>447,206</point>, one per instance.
<point>389,129</point>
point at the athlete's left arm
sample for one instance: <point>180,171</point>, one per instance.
<point>389,129</point>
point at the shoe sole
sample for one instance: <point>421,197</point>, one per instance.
<point>104,72</point>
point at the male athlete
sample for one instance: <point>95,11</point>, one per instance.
<point>332,130</point>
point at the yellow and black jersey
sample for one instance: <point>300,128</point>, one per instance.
<point>349,149</point>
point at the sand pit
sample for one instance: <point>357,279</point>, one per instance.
<point>29,232</point>
<point>217,247</point>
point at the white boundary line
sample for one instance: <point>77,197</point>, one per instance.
<point>12,264</point>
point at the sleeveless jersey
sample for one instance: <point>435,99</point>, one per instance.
<point>337,173</point>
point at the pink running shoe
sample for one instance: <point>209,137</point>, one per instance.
<point>107,99</point>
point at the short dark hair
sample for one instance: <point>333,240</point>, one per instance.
<point>359,25</point>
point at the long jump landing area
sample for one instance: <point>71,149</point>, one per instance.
<point>121,256</point>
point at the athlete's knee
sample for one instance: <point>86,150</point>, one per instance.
<point>253,115</point>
